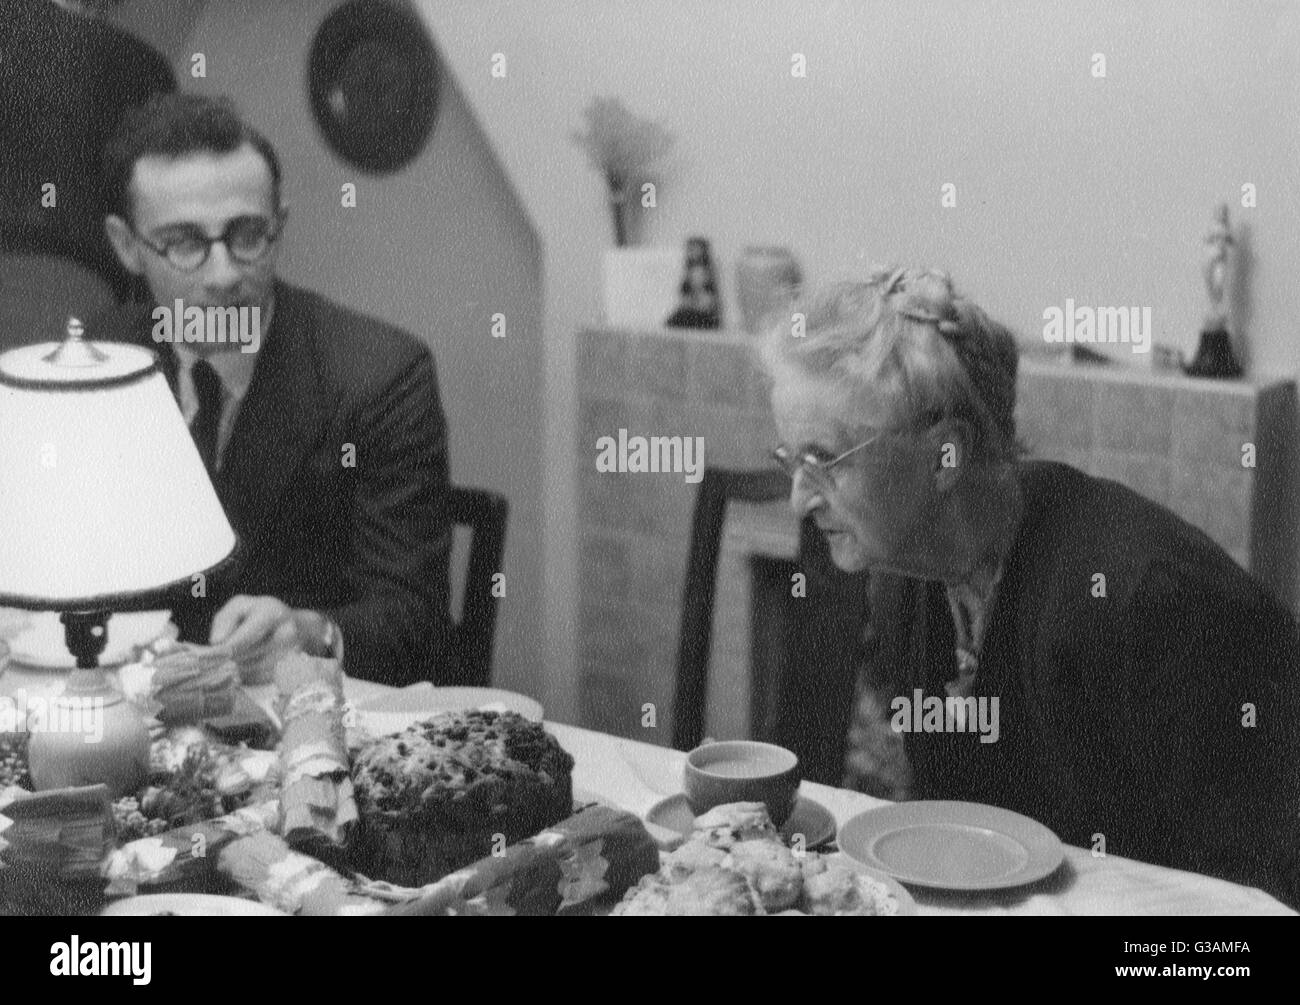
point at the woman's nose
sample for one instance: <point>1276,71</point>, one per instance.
<point>804,495</point>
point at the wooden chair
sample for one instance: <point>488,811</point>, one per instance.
<point>485,514</point>
<point>718,487</point>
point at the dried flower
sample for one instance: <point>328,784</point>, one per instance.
<point>621,146</point>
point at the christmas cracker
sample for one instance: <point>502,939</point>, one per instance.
<point>180,683</point>
<point>596,854</point>
<point>184,857</point>
<point>291,881</point>
<point>69,830</point>
<point>316,798</point>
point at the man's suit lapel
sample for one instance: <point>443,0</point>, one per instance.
<point>277,424</point>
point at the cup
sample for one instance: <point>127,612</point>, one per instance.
<point>742,771</point>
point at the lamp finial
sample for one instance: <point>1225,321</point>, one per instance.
<point>74,350</point>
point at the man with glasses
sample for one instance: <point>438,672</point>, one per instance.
<point>327,446</point>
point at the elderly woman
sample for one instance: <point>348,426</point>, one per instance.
<point>1145,684</point>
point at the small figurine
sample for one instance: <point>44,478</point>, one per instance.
<point>1214,355</point>
<point>699,290</point>
<point>1218,246</point>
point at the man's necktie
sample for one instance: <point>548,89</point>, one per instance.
<point>207,420</point>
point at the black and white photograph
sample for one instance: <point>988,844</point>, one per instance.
<point>651,458</point>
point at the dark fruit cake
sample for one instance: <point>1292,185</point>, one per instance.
<point>434,797</point>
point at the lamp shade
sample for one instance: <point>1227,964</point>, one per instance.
<point>104,500</point>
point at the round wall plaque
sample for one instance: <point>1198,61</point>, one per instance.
<point>373,82</point>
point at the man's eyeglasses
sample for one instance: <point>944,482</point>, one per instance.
<point>247,240</point>
<point>813,466</point>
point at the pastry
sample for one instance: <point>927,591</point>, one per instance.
<point>724,825</point>
<point>771,870</point>
<point>841,891</point>
<point>709,891</point>
<point>734,862</point>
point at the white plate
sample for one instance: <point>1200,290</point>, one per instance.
<point>952,845</point>
<point>36,638</point>
<point>391,713</point>
<point>190,905</point>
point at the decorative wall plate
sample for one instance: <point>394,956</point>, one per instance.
<point>372,78</point>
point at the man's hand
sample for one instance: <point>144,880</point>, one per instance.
<point>258,631</point>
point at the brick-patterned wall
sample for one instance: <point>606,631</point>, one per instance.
<point>1175,439</point>
<point>634,528</point>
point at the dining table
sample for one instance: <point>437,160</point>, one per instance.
<point>634,776</point>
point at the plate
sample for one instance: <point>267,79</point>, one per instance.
<point>36,638</point>
<point>952,845</point>
<point>190,905</point>
<point>811,819</point>
<point>391,713</point>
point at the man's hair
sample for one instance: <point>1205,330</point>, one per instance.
<point>174,126</point>
<point>906,336</point>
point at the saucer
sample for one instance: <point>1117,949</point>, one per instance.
<point>811,819</point>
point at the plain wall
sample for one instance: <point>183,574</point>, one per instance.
<point>1067,185</point>
<point>437,248</point>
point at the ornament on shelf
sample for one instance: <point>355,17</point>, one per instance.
<point>767,283</point>
<point>1214,355</point>
<point>625,148</point>
<point>699,289</point>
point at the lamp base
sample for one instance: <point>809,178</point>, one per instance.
<point>89,741</point>
<point>91,735</point>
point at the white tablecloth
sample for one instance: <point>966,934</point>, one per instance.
<point>635,776</point>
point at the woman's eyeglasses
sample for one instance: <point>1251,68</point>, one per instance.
<point>247,240</point>
<point>819,470</point>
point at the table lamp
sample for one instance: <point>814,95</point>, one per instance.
<point>105,505</point>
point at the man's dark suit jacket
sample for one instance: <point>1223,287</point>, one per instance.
<point>367,544</point>
<point>1119,715</point>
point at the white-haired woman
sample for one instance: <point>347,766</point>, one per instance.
<point>1124,649</point>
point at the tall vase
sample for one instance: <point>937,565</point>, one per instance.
<point>767,281</point>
